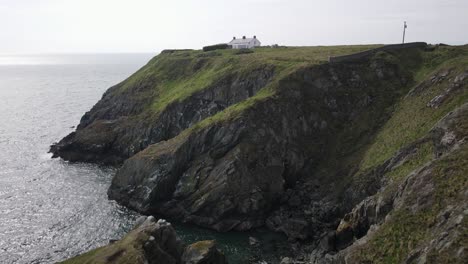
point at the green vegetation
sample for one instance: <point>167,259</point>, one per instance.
<point>406,229</point>
<point>441,57</point>
<point>348,146</point>
<point>216,47</point>
<point>127,250</point>
<point>412,119</point>
<point>396,239</point>
<point>424,154</point>
<point>175,75</point>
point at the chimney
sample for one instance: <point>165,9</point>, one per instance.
<point>233,38</point>
<point>243,37</point>
<point>255,37</point>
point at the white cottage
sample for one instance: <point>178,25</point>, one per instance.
<point>245,43</point>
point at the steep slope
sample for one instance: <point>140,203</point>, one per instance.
<point>175,90</point>
<point>419,157</point>
<point>361,161</point>
<point>423,219</point>
<point>229,171</point>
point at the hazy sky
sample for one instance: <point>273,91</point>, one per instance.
<point>56,26</point>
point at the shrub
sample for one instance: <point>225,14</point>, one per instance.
<point>216,47</point>
<point>170,51</point>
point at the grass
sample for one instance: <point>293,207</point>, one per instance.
<point>424,154</point>
<point>412,119</point>
<point>127,250</point>
<point>399,131</point>
<point>287,60</point>
<point>180,89</point>
<point>406,230</point>
<point>442,56</point>
<point>396,239</point>
<point>173,77</point>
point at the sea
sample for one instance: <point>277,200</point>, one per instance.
<point>51,210</point>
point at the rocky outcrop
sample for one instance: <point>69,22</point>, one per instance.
<point>232,174</point>
<point>203,252</point>
<point>124,122</point>
<point>153,242</point>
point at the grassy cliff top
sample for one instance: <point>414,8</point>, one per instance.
<point>410,112</point>
<point>175,75</point>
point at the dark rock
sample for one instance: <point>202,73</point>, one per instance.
<point>162,246</point>
<point>203,252</point>
<point>447,134</point>
<point>150,242</point>
<point>453,86</point>
<point>294,201</point>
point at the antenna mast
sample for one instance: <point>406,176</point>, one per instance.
<point>404,31</point>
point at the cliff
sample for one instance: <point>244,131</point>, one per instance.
<point>360,161</point>
<point>174,91</point>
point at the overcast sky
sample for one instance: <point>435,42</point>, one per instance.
<point>57,26</point>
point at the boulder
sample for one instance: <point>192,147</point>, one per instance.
<point>150,242</point>
<point>203,252</point>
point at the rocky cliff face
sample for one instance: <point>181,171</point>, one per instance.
<point>340,157</point>
<point>425,209</point>
<point>230,175</point>
<point>125,120</point>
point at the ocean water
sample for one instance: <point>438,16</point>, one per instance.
<point>51,210</point>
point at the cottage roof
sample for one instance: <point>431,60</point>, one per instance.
<point>241,41</point>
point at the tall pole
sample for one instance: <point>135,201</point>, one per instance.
<point>404,31</point>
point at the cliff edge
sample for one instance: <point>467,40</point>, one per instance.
<point>356,161</point>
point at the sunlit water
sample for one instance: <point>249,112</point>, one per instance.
<point>50,209</point>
